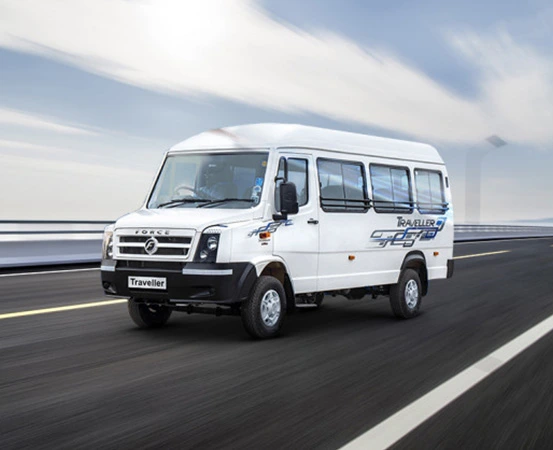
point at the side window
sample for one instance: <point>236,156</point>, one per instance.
<point>343,186</point>
<point>391,189</point>
<point>297,174</point>
<point>430,192</point>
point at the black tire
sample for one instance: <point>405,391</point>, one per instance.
<point>404,298</point>
<point>250,309</point>
<point>148,316</point>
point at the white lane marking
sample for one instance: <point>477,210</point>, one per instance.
<point>395,427</point>
<point>482,254</point>
<point>61,308</point>
<point>22,274</point>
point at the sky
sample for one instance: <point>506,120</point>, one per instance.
<point>93,92</point>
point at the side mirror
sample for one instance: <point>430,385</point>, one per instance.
<point>288,201</point>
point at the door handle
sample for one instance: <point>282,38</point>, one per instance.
<point>313,221</point>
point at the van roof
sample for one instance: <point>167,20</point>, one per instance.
<point>272,135</point>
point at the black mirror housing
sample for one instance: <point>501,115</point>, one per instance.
<point>288,200</point>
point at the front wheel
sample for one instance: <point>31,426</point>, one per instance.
<point>406,295</point>
<point>263,312</point>
<point>148,316</point>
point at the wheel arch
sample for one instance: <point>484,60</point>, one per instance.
<point>277,268</point>
<point>416,260</point>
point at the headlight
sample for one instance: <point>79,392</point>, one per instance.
<point>207,248</point>
<point>212,243</point>
<point>107,245</point>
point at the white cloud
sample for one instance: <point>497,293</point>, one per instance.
<point>65,189</point>
<point>18,145</point>
<point>107,153</point>
<point>516,85</point>
<point>234,50</point>
<point>20,119</point>
<point>42,155</point>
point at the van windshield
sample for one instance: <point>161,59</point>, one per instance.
<point>210,180</point>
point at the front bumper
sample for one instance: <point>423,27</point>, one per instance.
<point>208,283</point>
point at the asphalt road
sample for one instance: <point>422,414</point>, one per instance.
<point>88,378</point>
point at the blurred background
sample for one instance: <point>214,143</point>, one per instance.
<point>93,92</point>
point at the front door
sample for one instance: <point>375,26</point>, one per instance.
<point>297,240</point>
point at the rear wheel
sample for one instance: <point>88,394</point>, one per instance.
<point>406,295</point>
<point>263,312</point>
<point>148,316</point>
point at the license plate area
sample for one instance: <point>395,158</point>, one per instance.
<point>157,283</point>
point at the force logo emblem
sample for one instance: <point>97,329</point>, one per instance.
<point>150,246</point>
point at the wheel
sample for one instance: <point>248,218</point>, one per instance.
<point>262,313</point>
<point>148,316</point>
<point>406,295</point>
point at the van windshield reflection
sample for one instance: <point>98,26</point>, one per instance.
<point>211,180</point>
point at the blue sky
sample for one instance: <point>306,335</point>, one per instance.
<point>93,92</point>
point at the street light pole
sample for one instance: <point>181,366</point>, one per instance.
<point>473,179</point>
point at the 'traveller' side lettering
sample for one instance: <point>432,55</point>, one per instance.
<point>403,222</point>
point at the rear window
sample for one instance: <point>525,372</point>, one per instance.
<point>430,192</point>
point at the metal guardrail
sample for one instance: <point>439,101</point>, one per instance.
<point>47,242</point>
<point>12,228</point>
<point>465,232</point>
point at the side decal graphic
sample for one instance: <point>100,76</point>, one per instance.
<point>416,230</point>
<point>271,227</point>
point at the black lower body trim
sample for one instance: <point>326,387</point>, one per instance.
<point>208,283</point>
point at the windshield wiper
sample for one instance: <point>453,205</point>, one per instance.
<point>180,201</point>
<point>225,200</point>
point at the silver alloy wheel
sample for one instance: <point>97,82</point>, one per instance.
<point>270,308</point>
<point>411,294</point>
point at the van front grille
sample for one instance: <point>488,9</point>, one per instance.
<point>151,265</point>
<point>160,251</point>
<point>153,244</point>
<point>160,239</point>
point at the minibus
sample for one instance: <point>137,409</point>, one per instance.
<point>258,220</point>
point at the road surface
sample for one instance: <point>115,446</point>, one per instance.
<point>87,378</point>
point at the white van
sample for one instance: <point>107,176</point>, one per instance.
<point>256,220</point>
